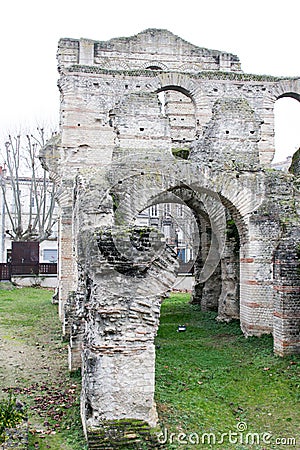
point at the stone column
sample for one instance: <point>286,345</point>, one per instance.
<point>206,293</point>
<point>121,315</point>
<point>66,261</point>
<point>256,287</point>
<point>229,299</point>
<point>287,295</point>
<point>67,279</point>
<point>211,291</point>
<point>197,292</point>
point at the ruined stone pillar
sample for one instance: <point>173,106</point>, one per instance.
<point>205,293</point>
<point>287,295</point>
<point>229,298</point>
<point>256,290</point>
<point>66,278</point>
<point>211,291</point>
<point>198,297</point>
<point>121,314</point>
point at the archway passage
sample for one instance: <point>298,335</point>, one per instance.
<point>178,225</point>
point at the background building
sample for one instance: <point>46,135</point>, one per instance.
<point>32,255</point>
<point>178,224</point>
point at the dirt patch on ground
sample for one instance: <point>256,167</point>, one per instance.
<point>22,363</point>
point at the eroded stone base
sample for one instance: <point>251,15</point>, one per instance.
<point>122,434</point>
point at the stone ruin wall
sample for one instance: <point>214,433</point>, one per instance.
<point>128,106</point>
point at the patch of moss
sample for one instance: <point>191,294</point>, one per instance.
<point>122,434</point>
<point>295,165</point>
<point>181,153</point>
<point>204,74</point>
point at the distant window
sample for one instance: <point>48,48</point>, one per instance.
<point>154,211</point>
<point>181,254</point>
<point>50,255</point>
<point>167,209</point>
<point>180,212</point>
<point>8,255</point>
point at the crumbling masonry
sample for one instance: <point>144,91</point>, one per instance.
<point>149,119</point>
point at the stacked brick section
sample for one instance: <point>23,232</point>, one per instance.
<point>287,294</point>
<point>131,110</point>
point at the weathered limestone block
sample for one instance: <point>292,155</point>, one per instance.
<point>211,291</point>
<point>232,121</point>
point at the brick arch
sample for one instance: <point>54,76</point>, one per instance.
<point>150,184</point>
<point>185,84</point>
<point>289,88</point>
<point>194,68</point>
<point>182,81</point>
<point>273,92</point>
<point>155,63</point>
<point>281,89</point>
<point>117,65</point>
<point>294,95</point>
<point>241,203</point>
<point>285,88</point>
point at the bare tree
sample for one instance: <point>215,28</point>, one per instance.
<point>33,221</point>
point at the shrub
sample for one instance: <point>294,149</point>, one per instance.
<point>11,414</point>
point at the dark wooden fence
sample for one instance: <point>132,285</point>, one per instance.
<point>48,268</point>
<point>7,270</point>
<point>25,269</point>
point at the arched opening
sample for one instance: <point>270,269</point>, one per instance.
<point>183,360</point>
<point>178,106</point>
<point>180,229</point>
<point>193,225</point>
<point>154,68</point>
<point>287,131</point>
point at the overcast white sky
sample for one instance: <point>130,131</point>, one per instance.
<point>264,34</point>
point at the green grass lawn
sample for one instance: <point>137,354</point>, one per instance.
<point>33,362</point>
<point>209,379</point>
